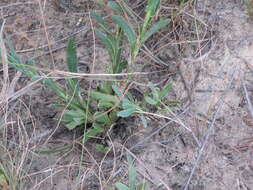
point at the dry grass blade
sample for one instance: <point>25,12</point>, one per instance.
<point>16,4</point>
<point>247,98</point>
<point>4,57</point>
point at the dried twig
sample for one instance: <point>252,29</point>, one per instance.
<point>247,98</point>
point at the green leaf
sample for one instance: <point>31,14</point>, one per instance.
<point>74,113</point>
<point>165,90</point>
<point>107,42</point>
<point>150,12</point>
<point>101,22</point>
<point>103,97</point>
<point>152,7</point>
<point>130,160</point>
<point>103,104</point>
<point>144,121</point>
<point>92,132</point>
<point>113,116</point>
<point>76,116</point>
<point>126,113</point>
<point>105,87</point>
<point>150,100</point>
<point>155,91</point>
<point>117,90</point>
<point>130,97</point>
<point>141,186</point>
<point>2,177</point>
<point>72,56</point>
<point>102,118</point>
<point>120,66</point>
<point>132,173</point>
<point>74,124</point>
<point>72,65</point>
<point>102,148</point>
<point>58,105</point>
<point>57,89</point>
<point>115,6</point>
<point>128,31</point>
<point>73,87</point>
<point>172,102</point>
<point>121,186</point>
<point>161,24</point>
<point>132,177</point>
<point>127,104</point>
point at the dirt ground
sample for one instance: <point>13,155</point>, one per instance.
<point>209,146</point>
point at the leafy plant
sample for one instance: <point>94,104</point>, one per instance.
<point>107,103</point>
<point>136,37</point>
<point>132,182</point>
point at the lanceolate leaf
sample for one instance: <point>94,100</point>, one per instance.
<point>132,177</point>
<point>128,31</point>
<point>103,104</point>
<point>150,100</point>
<point>120,66</point>
<point>161,24</point>
<point>105,87</point>
<point>101,22</point>
<point>72,56</point>
<point>155,91</point>
<point>106,42</point>
<point>73,124</point>
<point>115,6</point>
<point>165,91</point>
<point>171,102</point>
<point>103,97</point>
<point>72,66</point>
<point>95,130</point>
<point>117,91</point>
<point>102,118</point>
<point>152,7</point>
<point>132,173</point>
<point>150,12</point>
<point>127,104</point>
<point>54,86</point>
<point>121,186</point>
<point>126,113</point>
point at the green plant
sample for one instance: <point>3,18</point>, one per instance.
<point>107,103</point>
<point>136,37</point>
<point>12,168</point>
<point>132,182</point>
<point>249,4</point>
